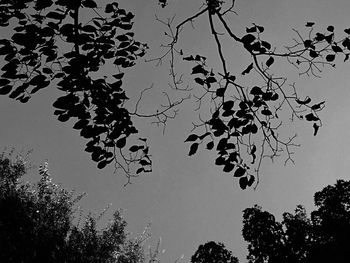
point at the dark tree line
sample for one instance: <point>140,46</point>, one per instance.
<point>39,223</point>
<point>53,46</point>
<point>299,238</point>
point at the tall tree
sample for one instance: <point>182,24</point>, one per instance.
<point>298,238</point>
<point>38,224</point>
<point>213,252</point>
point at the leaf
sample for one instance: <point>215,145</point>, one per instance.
<point>239,172</point>
<point>89,4</point>
<point>222,144</point>
<point>309,24</point>
<point>121,142</point>
<point>220,161</point>
<point>337,49</point>
<point>4,82</point>
<point>311,117</point>
<point>102,164</point>
<point>303,102</point>
<point>220,92</point>
<point>248,69</point>
<point>140,170</point>
<point>193,149</point>
<point>316,127</point>
<point>317,106</point>
<point>199,81</point>
<point>5,89</point>
<point>199,70</point>
<point>228,167</point>
<point>251,181</point>
<point>144,162</point>
<point>210,145</point>
<point>270,61</point>
<point>189,58</point>
<point>228,105</point>
<point>55,15</point>
<point>251,29</point>
<point>266,45</point>
<point>192,138</point>
<point>243,182</point>
<point>313,54</point>
<point>248,39</point>
<point>266,112</point>
<point>330,57</point>
<point>330,28</point>
<point>134,148</point>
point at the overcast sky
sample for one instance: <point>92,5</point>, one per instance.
<point>189,200</point>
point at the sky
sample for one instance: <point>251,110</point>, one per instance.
<point>188,200</point>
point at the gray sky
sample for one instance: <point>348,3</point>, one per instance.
<point>188,199</point>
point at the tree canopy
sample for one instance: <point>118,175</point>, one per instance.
<point>323,237</point>
<point>39,223</point>
<point>213,252</point>
<point>241,113</point>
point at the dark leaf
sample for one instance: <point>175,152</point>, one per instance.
<point>228,105</point>
<point>337,49</point>
<point>192,138</point>
<point>313,54</point>
<point>190,58</point>
<point>193,149</point>
<point>144,162</point>
<point>243,182</point>
<point>199,70</point>
<point>251,29</point>
<point>303,102</point>
<point>266,45</point>
<point>228,167</point>
<point>311,117</point>
<point>55,15</point>
<point>140,170</point>
<point>316,127</point>
<point>121,142</point>
<point>270,61</point>
<point>102,164</point>
<point>220,161</point>
<point>4,82</point>
<point>222,144</point>
<point>248,69</point>
<point>309,24</point>
<point>330,28</point>
<point>89,4</point>
<point>220,92</point>
<point>134,148</point>
<point>5,89</point>
<point>318,105</point>
<point>210,145</point>
<point>248,39</point>
<point>239,172</point>
<point>266,112</point>
<point>251,181</point>
<point>199,81</point>
<point>330,57</point>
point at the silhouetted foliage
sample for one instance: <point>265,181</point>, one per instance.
<point>298,238</point>
<point>241,113</point>
<point>213,252</point>
<point>37,224</point>
<point>53,45</point>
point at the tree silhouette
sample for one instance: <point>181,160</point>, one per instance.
<point>52,44</point>
<point>212,252</point>
<point>38,224</point>
<point>298,238</point>
<point>241,114</point>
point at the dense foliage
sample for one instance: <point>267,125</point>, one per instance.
<point>213,252</point>
<point>38,224</point>
<point>323,237</point>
